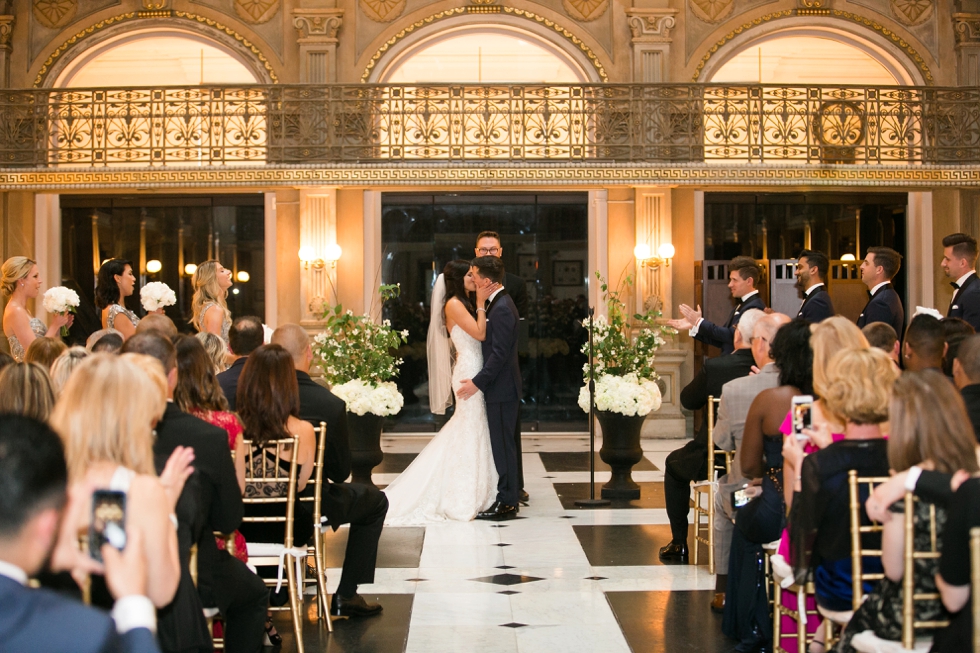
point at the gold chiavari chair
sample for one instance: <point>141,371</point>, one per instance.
<point>801,615</point>
<point>975,585</point>
<point>263,469</point>
<point>317,551</point>
<point>704,515</point>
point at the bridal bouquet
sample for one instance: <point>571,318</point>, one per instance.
<point>626,380</point>
<point>62,301</point>
<point>156,295</point>
<point>357,357</point>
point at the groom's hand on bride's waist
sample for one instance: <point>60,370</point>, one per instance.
<point>467,389</point>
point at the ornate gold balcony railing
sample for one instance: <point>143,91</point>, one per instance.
<point>316,125</point>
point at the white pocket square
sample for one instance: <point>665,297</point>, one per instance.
<point>955,306</point>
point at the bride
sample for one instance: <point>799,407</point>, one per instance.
<point>453,478</point>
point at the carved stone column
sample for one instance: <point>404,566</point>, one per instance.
<point>318,44</point>
<point>6,31</point>
<point>967,29</point>
<point>651,43</point>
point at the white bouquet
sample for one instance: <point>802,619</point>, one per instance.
<point>156,295</point>
<point>62,301</point>
<point>628,395</point>
<point>382,399</point>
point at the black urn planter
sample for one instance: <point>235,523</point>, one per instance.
<point>620,450</point>
<point>365,445</point>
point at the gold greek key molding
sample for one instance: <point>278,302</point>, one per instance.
<point>456,11</point>
<point>582,176</point>
<point>132,15</point>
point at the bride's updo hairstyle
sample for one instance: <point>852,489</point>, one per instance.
<point>454,273</point>
<point>14,269</point>
<point>267,394</point>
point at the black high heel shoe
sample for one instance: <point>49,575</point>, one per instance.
<point>272,637</point>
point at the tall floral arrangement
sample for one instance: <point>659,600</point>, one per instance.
<point>623,369</point>
<point>357,357</point>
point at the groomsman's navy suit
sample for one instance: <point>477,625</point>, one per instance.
<point>500,382</point>
<point>966,302</point>
<point>884,306</point>
<point>817,306</point>
<point>724,336</point>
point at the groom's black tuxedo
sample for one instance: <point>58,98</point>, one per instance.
<point>500,382</point>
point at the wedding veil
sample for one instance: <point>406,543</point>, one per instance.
<point>438,352</point>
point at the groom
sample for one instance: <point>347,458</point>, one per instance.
<point>500,381</point>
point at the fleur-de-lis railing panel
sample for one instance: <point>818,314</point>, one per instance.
<point>273,125</point>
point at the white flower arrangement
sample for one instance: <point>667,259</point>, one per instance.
<point>627,395</point>
<point>62,301</point>
<point>156,295</point>
<point>361,397</point>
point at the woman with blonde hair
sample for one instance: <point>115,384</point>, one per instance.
<point>25,389</point>
<point>216,349</point>
<point>209,309</point>
<point>64,365</point>
<point>20,280</point>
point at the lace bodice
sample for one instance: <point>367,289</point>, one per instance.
<point>116,309</point>
<point>469,356</point>
<point>17,350</point>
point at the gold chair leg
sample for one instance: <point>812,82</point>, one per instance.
<point>711,530</point>
<point>295,603</point>
<point>801,642</point>
<point>323,600</point>
<point>777,624</point>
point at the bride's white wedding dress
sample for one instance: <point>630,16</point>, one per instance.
<point>454,477</point>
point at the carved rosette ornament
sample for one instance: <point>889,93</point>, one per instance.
<point>912,12</point>
<point>54,14</point>
<point>382,11</point>
<point>256,12</point>
<point>585,10</point>
<point>711,11</point>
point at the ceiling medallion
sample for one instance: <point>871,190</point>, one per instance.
<point>256,11</point>
<point>712,11</point>
<point>382,11</point>
<point>912,12</point>
<point>54,13</point>
<point>585,10</point>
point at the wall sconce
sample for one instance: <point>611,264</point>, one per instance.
<point>331,255</point>
<point>153,266</point>
<point>190,269</point>
<point>645,258</point>
<point>848,257</point>
<point>243,276</point>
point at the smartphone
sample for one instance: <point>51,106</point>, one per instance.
<point>802,415</point>
<point>740,498</point>
<point>108,525</point>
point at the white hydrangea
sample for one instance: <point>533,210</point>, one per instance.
<point>156,294</point>
<point>60,300</point>
<point>626,395</point>
<point>360,397</point>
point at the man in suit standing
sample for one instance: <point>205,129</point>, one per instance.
<point>811,280</point>
<point>878,269</point>
<point>500,382</point>
<point>244,337</point>
<point>362,506</point>
<point>966,376</point>
<point>690,462</point>
<point>32,465</point>
<point>743,277</point>
<point>959,263</point>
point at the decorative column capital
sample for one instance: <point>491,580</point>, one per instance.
<point>6,31</point>
<point>318,25</point>
<point>651,25</point>
<point>967,29</point>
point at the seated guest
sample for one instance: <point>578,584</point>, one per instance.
<point>216,350</point>
<point>64,365</point>
<point>966,376</point>
<point>953,579</point>
<point>110,343</point>
<point>924,345</point>
<point>363,507</point>
<point>955,331</point>
<point>25,389</point>
<point>157,322</point>
<point>44,350</point>
<point>215,504</point>
<point>245,336</point>
<point>32,508</point>
<point>689,463</point>
<point>928,428</point>
<point>882,336</point>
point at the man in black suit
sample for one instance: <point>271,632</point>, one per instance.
<point>924,345</point>
<point>244,337</point>
<point>878,269</point>
<point>743,277</point>
<point>35,478</point>
<point>362,506</point>
<point>811,280</point>
<point>690,462</point>
<point>214,499</point>
<point>959,263</point>
<point>966,376</point>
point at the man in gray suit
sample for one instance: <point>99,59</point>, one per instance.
<point>736,397</point>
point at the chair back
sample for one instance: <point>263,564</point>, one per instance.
<point>858,529</point>
<point>910,596</point>
<point>975,582</point>
<point>320,432</point>
<point>266,482</point>
<point>715,469</point>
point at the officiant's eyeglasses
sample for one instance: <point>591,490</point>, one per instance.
<point>488,250</point>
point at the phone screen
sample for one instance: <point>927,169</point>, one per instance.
<point>802,416</point>
<point>108,525</point>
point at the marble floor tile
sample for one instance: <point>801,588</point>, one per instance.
<point>453,639</point>
<point>572,638</point>
<point>458,609</point>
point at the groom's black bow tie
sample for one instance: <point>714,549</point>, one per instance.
<point>954,285</point>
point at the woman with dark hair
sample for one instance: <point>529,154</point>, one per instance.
<point>115,283</point>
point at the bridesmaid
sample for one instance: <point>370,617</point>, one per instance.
<point>21,281</point>
<point>209,309</point>
<point>116,282</point>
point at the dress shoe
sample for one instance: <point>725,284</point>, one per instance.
<point>675,551</point>
<point>718,603</point>
<point>499,512</point>
<point>355,606</point>
<point>525,498</point>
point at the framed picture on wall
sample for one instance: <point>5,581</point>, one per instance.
<point>566,273</point>
<point>527,266</point>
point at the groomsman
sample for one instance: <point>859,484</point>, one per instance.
<point>878,269</point>
<point>743,279</point>
<point>811,280</point>
<point>959,263</point>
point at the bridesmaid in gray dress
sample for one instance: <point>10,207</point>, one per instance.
<point>21,281</point>
<point>209,309</point>
<point>116,282</point>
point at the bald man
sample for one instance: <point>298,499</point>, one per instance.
<point>362,506</point>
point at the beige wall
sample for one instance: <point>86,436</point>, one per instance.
<point>17,231</point>
<point>287,256</point>
<point>351,275</point>
<point>622,235</point>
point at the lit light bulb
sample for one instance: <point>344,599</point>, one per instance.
<point>848,257</point>
<point>306,253</point>
<point>243,276</point>
<point>642,252</point>
<point>666,251</point>
<point>235,291</point>
<point>153,266</point>
<point>190,269</point>
<point>333,252</point>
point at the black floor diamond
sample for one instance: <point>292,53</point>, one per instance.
<point>498,525</point>
<point>502,544</point>
<point>505,567</point>
<point>596,578</point>
<point>547,477</point>
<point>513,625</point>
<point>417,580</point>
<point>506,579</point>
<point>567,517</point>
<point>508,592</point>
